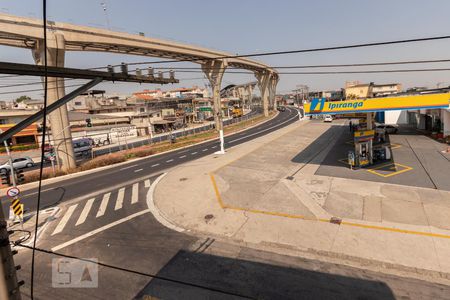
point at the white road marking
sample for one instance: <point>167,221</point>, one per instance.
<point>102,209</point>
<point>138,170</point>
<point>214,147</point>
<point>85,212</point>
<point>135,193</point>
<point>119,201</point>
<point>155,165</point>
<point>168,161</point>
<point>65,219</point>
<point>205,150</point>
<point>128,167</point>
<point>156,212</point>
<point>182,156</point>
<point>147,183</point>
<point>103,228</point>
<point>193,153</point>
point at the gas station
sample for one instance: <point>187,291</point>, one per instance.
<point>369,144</point>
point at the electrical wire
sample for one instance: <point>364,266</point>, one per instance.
<point>44,129</point>
<point>322,66</point>
<point>353,46</point>
<point>37,90</point>
<point>138,272</point>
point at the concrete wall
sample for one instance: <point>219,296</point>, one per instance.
<point>396,117</point>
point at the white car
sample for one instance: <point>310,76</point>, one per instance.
<point>18,163</point>
<point>328,118</point>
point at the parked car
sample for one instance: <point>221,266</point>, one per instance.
<point>328,118</point>
<point>281,108</point>
<point>18,163</point>
<point>82,146</point>
<point>388,128</point>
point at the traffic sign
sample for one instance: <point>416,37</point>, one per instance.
<point>13,192</point>
<point>52,158</point>
<point>17,207</point>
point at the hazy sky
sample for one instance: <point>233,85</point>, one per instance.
<point>248,26</point>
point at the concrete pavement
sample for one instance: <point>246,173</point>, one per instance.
<point>266,193</point>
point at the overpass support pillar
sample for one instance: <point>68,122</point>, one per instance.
<point>59,119</point>
<point>272,90</point>
<point>214,70</point>
<point>263,84</point>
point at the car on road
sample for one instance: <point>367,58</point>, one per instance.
<point>388,128</point>
<point>281,108</point>
<point>18,163</point>
<point>328,118</point>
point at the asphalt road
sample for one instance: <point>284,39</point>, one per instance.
<point>59,192</point>
<point>104,216</point>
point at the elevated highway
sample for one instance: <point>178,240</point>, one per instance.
<point>27,33</point>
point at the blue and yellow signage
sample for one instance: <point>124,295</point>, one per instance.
<point>430,101</point>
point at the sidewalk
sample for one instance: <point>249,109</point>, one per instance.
<point>265,193</point>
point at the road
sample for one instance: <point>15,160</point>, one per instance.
<point>104,216</point>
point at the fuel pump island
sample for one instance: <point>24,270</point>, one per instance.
<point>369,143</point>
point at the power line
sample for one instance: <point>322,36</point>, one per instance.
<point>323,66</point>
<point>352,46</point>
<point>37,90</point>
<point>138,272</point>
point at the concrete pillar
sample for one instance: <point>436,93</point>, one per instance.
<point>272,90</point>
<point>59,119</point>
<point>214,70</point>
<point>263,78</point>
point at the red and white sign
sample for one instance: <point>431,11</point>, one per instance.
<point>13,192</point>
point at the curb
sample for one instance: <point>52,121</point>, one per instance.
<point>159,216</point>
<point>35,184</point>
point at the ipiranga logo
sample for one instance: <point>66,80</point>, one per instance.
<point>354,105</point>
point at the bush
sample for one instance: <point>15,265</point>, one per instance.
<point>139,152</point>
<point>46,173</point>
<point>20,147</point>
<point>103,160</point>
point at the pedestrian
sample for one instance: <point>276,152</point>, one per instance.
<point>351,125</point>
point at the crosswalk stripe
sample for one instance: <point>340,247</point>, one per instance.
<point>119,201</point>
<point>135,193</point>
<point>102,209</point>
<point>65,219</point>
<point>85,212</point>
<point>147,183</point>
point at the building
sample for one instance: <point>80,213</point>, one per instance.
<point>371,90</point>
<point>95,102</point>
<point>28,136</point>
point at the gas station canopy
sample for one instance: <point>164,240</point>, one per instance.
<point>428,101</point>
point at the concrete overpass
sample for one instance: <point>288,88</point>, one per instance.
<point>61,37</point>
<point>241,91</point>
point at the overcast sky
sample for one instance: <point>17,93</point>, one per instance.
<point>249,26</point>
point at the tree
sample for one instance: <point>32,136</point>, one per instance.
<point>21,98</point>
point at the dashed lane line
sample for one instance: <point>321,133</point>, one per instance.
<point>193,153</point>
<point>168,161</point>
<point>205,150</point>
<point>65,219</point>
<point>127,167</point>
<point>102,209</point>
<point>155,165</point>
<point>182,156</point>
<point>85,212</point>
<point>138,170</point>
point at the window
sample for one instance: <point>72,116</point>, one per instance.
<point>142,109</point>
<point>78,103</point>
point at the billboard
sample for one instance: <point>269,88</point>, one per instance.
<point>428,101</point>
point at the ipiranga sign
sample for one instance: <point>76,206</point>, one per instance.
<point>320,106</point>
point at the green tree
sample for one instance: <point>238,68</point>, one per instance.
<point>21,98</point>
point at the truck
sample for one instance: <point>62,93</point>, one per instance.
<point>237,112</point>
